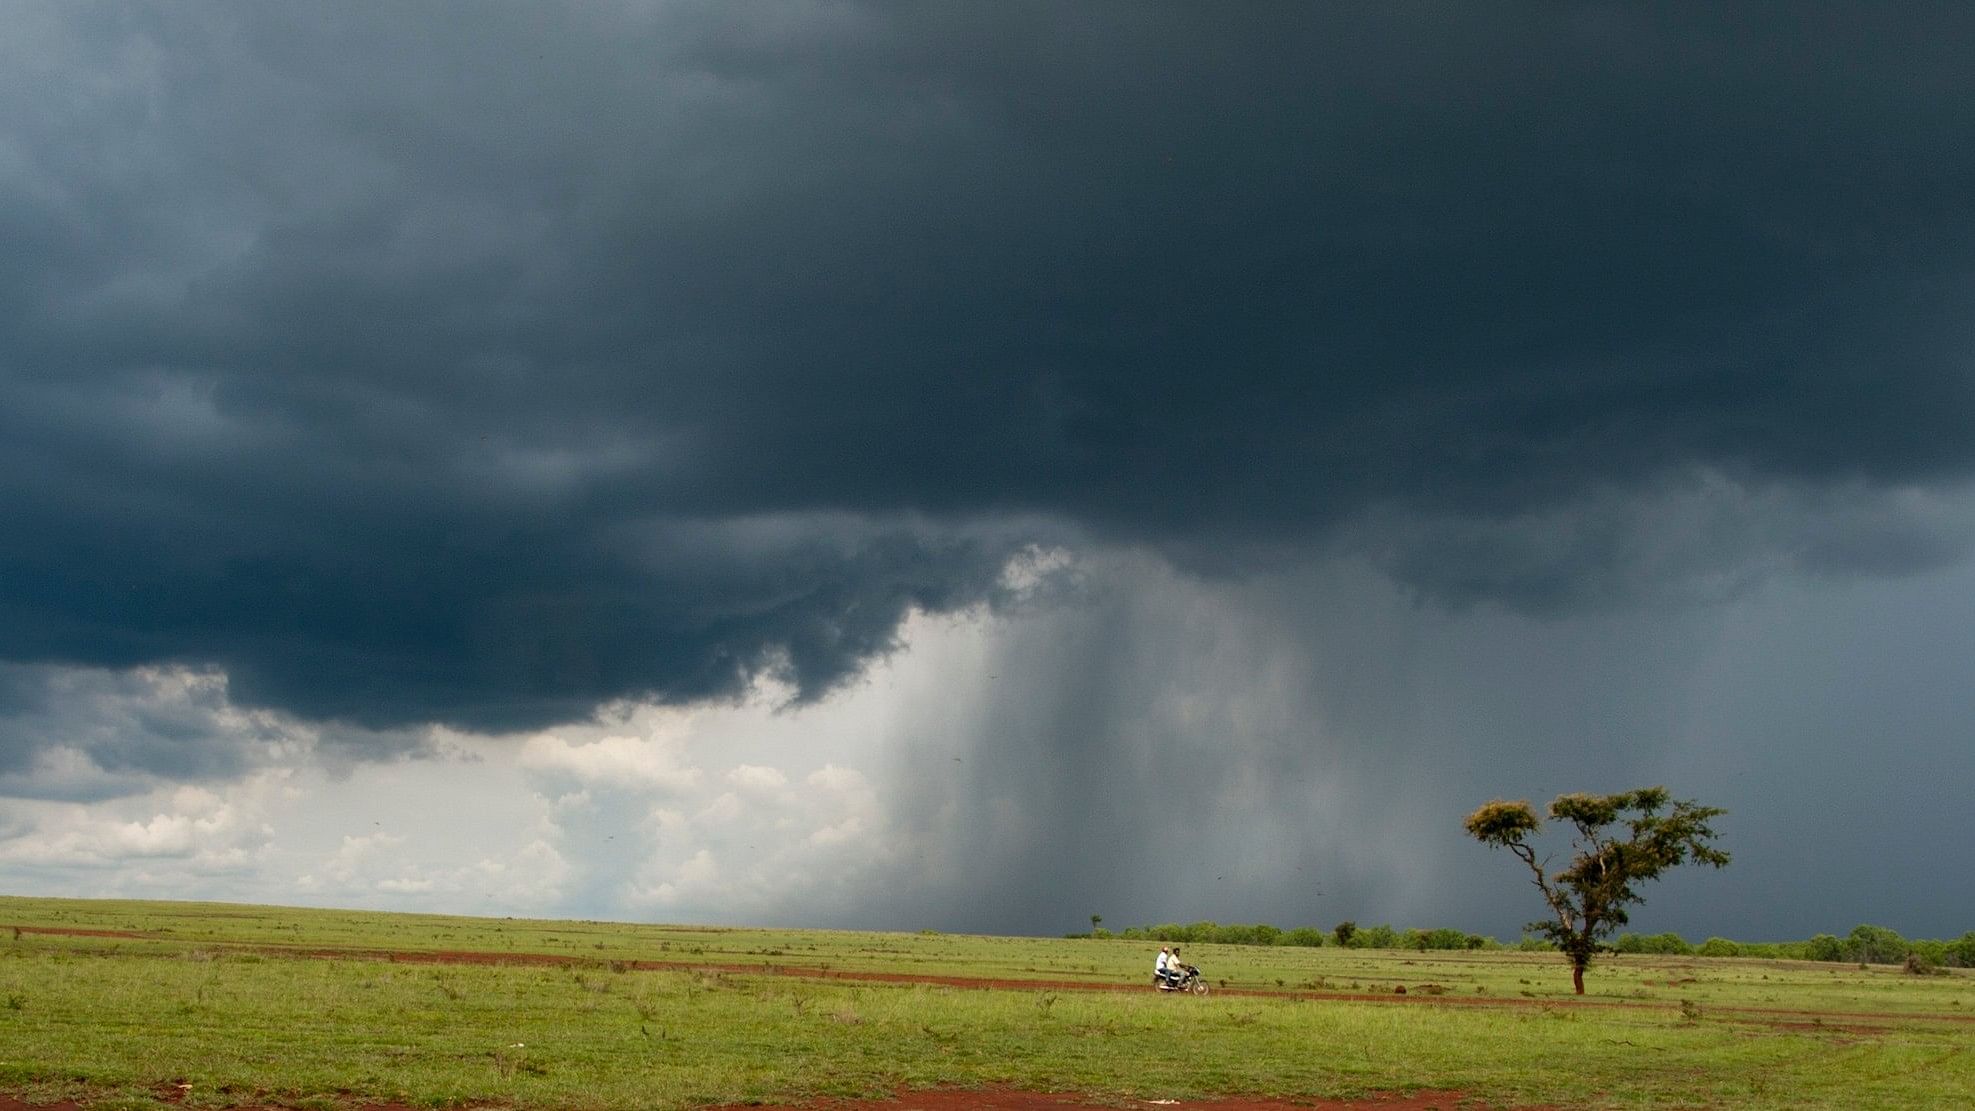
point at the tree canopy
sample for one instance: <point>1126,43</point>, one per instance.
<point>1588,897</point>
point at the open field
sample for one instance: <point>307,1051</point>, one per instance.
<point>124,1004</point>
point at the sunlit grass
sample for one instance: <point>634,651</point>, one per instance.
<point>216,998</point>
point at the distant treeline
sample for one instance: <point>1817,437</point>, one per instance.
<point>1864,945</point>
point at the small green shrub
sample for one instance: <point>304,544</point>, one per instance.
<point>1375,937</point>
<point>1875,945</point>
<point>1918,964</point>
<point>1961,951</point>
<point>1667,944</point>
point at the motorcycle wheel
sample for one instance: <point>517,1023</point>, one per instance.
<point>1199,987</point>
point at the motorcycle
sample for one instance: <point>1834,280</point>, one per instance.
<point>1186,978</point>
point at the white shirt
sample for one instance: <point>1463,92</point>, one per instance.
<point>1160,965</point>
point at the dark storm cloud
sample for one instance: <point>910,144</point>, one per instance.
<point>484,364</point>
<point>118,732</point>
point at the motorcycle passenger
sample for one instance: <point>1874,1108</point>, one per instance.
<point>1159,966</point>
<point>1175,968</point>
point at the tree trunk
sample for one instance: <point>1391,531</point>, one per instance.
<point>1577,977</point>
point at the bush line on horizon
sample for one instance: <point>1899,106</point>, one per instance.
<point>1866,944</point>
<point>247,923</point>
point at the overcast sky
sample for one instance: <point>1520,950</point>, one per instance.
<point>976,466</point>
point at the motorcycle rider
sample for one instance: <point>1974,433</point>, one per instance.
<point>1159,966</point>
<point>1175,968</point>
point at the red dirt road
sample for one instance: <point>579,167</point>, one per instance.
<point>64,931</point>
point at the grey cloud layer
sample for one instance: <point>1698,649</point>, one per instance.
<point>483,364</point>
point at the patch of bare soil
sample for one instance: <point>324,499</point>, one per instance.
<point>65,931</point>
<point>1843,1031</point>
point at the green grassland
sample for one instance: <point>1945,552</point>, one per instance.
<point>236,1005</point>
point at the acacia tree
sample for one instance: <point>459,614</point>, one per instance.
<point>1588,898</point>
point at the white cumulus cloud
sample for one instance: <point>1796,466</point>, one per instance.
<point>619,762</point>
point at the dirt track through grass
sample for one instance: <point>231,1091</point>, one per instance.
<point>1832,1020</point>
<point>133,1006</point>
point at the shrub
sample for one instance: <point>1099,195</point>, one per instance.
<point>1875,945</point>
<point>1344,931</point>
<point>1917,964</point>
<point>1720,947</point>
<point>1961,951</point>
<point>1444,938</point>
<point>1204,932</point>
<point>1824,947</point>
<point>1933,952</point>
<point>1665,945</point>
<point>1375,937</point>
